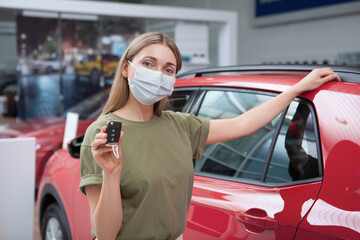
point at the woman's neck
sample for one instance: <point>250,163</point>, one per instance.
<point>135,111</point>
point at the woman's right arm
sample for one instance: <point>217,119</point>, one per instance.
<point>105,201</point>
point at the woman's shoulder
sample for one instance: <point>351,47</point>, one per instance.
<point>191,124</point>
<point>178,116</point>
<point>95,127</point>
<point>184,119</point>
<point>100,121</point>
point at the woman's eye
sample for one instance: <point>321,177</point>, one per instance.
<point>147,64</point>
<point>169,71</point>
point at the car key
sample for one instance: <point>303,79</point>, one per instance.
<point>113,131</point>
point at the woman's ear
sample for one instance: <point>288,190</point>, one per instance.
<point>124,70</point>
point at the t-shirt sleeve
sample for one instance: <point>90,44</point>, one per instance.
<point>198,132</point>
<point>91,172</point>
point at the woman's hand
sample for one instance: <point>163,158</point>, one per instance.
<point>104,155</point>
<point>105,200</point>
<point>315,79</point>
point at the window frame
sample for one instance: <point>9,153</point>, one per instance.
<point>196,108</point>
<point>193,97</point>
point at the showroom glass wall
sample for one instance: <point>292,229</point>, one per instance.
<point>69,60</point>
<point>8,60</point>
<point>59,60</point>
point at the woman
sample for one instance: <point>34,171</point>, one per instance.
<point>146,191</point>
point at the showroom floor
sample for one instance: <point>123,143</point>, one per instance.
<point>6,120</point>
<point>36,225</point>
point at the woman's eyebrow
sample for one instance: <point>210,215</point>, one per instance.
<point>171,64</point>
<point>155,60</point>
<point>152,58</point>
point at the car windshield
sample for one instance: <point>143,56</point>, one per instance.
<point>89,108</point>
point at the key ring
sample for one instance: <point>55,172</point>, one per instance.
<point>115,149</point>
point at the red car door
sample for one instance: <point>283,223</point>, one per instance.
<point>260,186</point>
<point>223,209</point>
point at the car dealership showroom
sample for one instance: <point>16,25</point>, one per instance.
<point>180,119</point>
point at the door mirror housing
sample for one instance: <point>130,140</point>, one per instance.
<point>74,146</point>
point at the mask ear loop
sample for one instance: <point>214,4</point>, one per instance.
<point>115,149</point>
<point>131,64</point>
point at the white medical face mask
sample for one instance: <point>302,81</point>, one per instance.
<point>149,86</point>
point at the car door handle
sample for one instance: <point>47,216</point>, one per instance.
<point>257,217</point>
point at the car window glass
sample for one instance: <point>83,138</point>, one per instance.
<point>295,155</point>
<point>241,158</point>
<point>179,100</point>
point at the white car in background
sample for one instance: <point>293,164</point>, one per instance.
<point>48,65</point>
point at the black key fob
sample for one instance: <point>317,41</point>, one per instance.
<point>113,131</point>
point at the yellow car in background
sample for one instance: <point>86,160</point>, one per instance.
<point>96,65</point>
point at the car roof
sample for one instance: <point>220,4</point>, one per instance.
<point>275,83</point>
<point>346,73</point>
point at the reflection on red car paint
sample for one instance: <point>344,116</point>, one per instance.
<point>49,131</point>
<point>246,189</point>
<point>337,210</point>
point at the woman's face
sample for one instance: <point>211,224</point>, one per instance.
<point>157,57</point>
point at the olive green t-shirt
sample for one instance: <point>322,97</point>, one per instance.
<point>157,177</point>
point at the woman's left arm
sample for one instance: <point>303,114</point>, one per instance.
<point>256,118</point>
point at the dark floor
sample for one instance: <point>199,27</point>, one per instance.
<point>36,224</point>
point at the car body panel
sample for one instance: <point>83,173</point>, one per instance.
<point>23,127</point>
<point>231,210</point>
<point>64,177</point>
<point>47,145</point>
<point>336,212</point>
<point>265,82</point>
<point>327,207</point>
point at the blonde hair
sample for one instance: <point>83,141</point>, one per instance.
<point>119,93</point>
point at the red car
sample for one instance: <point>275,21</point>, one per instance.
<point>49,131</point>
<point>296,178</point>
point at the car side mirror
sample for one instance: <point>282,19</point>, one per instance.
<point>74,146</point>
